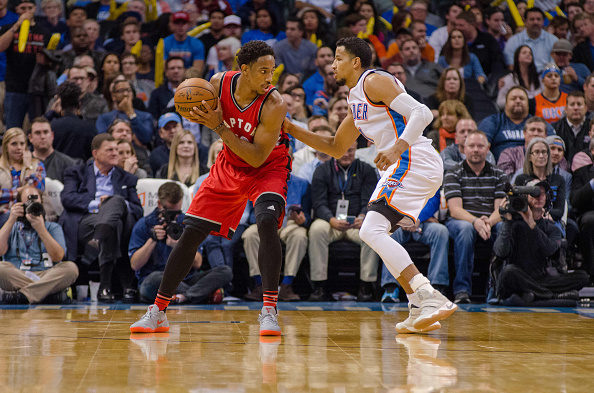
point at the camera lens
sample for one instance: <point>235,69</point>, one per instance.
<point>174,230</point>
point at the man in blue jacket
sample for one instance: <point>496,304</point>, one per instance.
<point>506,129</point>
<point>101,206</point>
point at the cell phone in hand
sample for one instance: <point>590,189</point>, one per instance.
<point>350,219</point>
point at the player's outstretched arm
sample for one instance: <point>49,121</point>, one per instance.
<point>335,145</point>
<point>381,88</point>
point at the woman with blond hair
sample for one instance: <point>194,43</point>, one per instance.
<point>444,133</point>
<point>17,169</point>
<point>184,164</point>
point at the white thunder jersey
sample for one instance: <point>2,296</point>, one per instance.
<point>407,185</point>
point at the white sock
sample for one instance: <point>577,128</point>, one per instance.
<point>413,299</point>
<point>375,232</point>
<point>420,282</point>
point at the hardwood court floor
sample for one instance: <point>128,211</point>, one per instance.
<point>88,348</point>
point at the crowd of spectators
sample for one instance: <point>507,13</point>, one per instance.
<point>86,104</point>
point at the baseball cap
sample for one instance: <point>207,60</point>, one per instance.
<point>555,140</point>
<point>167,117</point>
<point>232,20</point>
<point>562,46</point>
<point>180,15</point>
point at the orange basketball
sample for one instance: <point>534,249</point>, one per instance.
<point>191,92</point>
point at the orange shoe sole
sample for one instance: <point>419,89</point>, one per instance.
<point>147,330</point>
<point>269,333</point>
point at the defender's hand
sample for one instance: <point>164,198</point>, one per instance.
<point>390,156</point>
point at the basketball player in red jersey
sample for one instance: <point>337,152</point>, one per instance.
<point>254,164</point>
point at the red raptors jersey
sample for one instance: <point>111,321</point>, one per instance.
<point>243,121</point>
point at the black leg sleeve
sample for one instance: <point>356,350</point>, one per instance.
<point>268,210</point>
<point>181,258</point>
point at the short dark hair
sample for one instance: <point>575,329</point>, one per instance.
<point>297,20</point>
<point>467,16</point>
<point>535,9</point>
<point>125,55</point>
<point>170,192</point>
<point>172,58</point>
<point>251,51</point>
<point>536,119</point>
<point>576,93</point>
<point>217,10</point>
<point>358,48</point>
<point>39,119</point>
<point>352,19</point>
<point>69,93</point>
<point>489,12</point>
<point>323,128</point>
<point>99,139</point>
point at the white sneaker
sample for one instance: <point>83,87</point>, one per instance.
<point>268,319</point>
<point>153,346</point>
<point>406,326</point>
<point>434,307</point>
<point>154,321</point>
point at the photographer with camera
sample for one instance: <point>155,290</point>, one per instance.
<point>473,190</point>
<point>530,246</point>
<point>32,249</point>
<point>152,240</point>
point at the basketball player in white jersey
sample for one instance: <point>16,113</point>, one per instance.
<point>411,169</point>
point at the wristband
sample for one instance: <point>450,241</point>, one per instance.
<point>476,218</point>
<point>219,126</point>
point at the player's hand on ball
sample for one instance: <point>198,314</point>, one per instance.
<point>210,118</point>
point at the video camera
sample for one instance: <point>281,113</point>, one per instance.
<point>517,198</point>
<point>172,228</point>
<point>33,207</point>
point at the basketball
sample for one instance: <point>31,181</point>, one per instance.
<point>191,92</point>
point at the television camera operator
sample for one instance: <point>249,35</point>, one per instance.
<point>529,243</point>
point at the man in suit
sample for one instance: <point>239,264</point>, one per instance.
<point>101,206</point>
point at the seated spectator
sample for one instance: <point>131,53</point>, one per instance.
<point>184,164</point>
<point>72,135</point>
<point>574,74</point>
<point>429,231</point>
<point>160,97</point>
<point>287,81</point>
<point>582,203</point>
<point>338,109</point>
<point>574,127</point>
<point>315,82</point>
<point>440,36</point>
<point>583,24</point>
<point>444,134</point>
<point>169,126</point>
<point>226,50</point>
<point>301,111</point>
<point>143,87</point>
<point>151,244</point>
<point>523,73</point>
<point>421,75</point>
<point>327,190</point>
<point>211,36</point>
<point>455,54</point>
<point>179,44</point>
<point>93,30</point>
<point>146,61</point>
<point>41,138</point>
<point>450,87</point>
<point>309,162</point>
<point>559,27</point>
<point>92,104</point>
<point>538,165</point>
<point>315,25</point>
<point>557,148</point>
<point>454,153</point>
<point>473,189</point>
<point>293,234</point>
<point>494,21</point>
<point>101,206</point>
<point>80,45</point>
<point>17,169</point>
<point>506,129</point>
<point>323,96</point>
<point>121,129</point>
<point>540,41</point>
<point>584,157</point>
<point>266,29</point>
<point>480,44</point>
<point>40,274</point>
<point>53,15</point>
<point>511,159</point>
<point>530,247</point>
<point>296,53</point>
<point>142,122</point>
<point>109,66</point>
<point>550,104</point>
<point>128,160</point>
<point>129,36</point>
